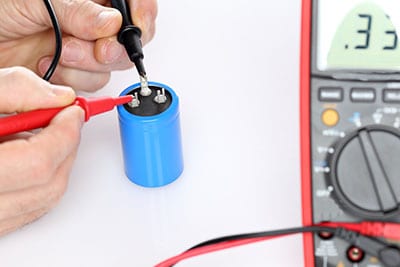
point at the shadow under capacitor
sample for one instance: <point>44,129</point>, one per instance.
<point>151,136</point>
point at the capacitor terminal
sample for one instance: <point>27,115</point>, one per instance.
<point>157,102</point>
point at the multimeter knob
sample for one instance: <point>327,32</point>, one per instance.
<point>365,172</point>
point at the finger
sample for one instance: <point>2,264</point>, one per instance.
<point>34,161</point>
<point>144,13</point>
<point>82,80</point>
<point>108,51</point>
<point>45,196</point>
<point>23,90</point>
<point>22,135</point>
<point>86,19</point>
<point>25,201</point>
<point>82,55</point>
<point>12,224</point>
<point>102,2</point>
<point>27,51</point>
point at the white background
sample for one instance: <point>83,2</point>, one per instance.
<point>234,65</point>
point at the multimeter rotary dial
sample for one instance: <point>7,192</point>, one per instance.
<point>365,172</point>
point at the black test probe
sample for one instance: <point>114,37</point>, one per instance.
<point>129,35</point>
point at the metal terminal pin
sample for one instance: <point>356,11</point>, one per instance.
<point>160,98</point>
<point>135,101</point>
<point>144,86</point>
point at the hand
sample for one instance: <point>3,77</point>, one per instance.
<point>35,167</point>
<point>90,49</point>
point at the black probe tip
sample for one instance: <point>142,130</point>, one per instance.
<point>129,36</point>
<point>140,67</point>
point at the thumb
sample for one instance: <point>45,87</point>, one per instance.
<point>86,19</point>
<point>22,90</point>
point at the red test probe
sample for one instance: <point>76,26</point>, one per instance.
<point>30,120</point>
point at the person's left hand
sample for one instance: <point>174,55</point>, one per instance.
<point>90,49</point>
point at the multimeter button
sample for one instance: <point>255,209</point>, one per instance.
<point>330,117</point>
<point>330,94</point>
<point>391,95</point>
<point>362,95</point>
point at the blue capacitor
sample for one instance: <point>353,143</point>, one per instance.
<point>151,136</point>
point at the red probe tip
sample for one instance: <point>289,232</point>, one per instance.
<point>123,99</point>
<point>94,106</point>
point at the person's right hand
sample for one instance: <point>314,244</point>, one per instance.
<point>90,47</point>
<point>34,168</point>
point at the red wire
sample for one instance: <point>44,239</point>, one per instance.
<point>376,229</point>
<point>381,229</point>
<point>212,248</point>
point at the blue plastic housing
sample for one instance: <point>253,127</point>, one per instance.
<point>151,145</point>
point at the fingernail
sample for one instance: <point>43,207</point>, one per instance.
<point>81,117</point>
<point>76,112</point>
<point>72,52</point>
<point>112,51</point>
<point>106,16</point>
<point>59,90</point>
<point>43,65</point>
<point>146,27</point>
<point>149,21</point>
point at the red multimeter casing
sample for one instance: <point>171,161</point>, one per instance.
<point>305,58</point>
<point>350,121</point>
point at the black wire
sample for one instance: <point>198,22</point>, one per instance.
<point>305,229</point>
<point>58,35</point>
<point>273,233</point>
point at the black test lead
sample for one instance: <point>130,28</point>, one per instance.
<point>129,35</point>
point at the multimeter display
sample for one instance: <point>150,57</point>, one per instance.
<point>355,34</point>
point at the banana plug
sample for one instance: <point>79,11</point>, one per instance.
<point>40,118</point>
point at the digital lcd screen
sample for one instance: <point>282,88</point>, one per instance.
<point>358,35</point>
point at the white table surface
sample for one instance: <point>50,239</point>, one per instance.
<point>235,66</point>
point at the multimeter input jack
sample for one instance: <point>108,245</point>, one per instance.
<point>325,235</point>
<point>355,254</point>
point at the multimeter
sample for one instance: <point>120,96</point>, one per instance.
<point>350,121</point>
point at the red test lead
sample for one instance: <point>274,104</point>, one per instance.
<point>40,118</point>
<point>377,229</point>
